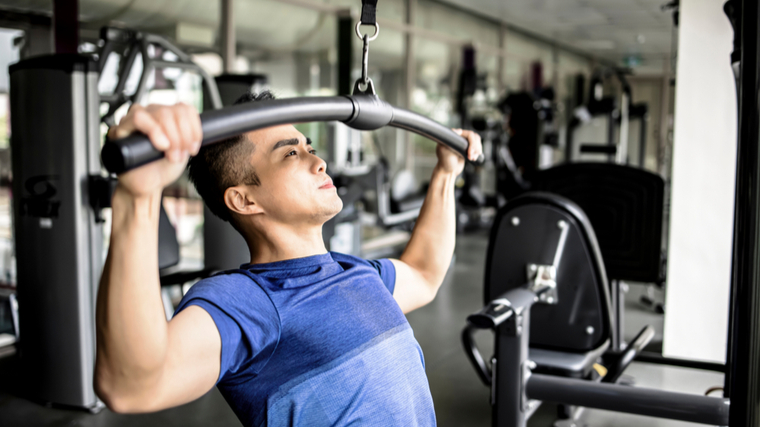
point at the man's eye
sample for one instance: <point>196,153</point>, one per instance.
<point>313,152</point>
<point>291,153</point>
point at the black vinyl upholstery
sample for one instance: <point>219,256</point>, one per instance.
<point>625,207</point>
<point>581,320</point>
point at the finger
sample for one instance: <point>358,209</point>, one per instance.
<point>475,148</point>
<point>197,127</point>
<point>183,119</point>
<point>194,123</point>
<point>126,126</point>
<point>471,144</point>
<point>457,131</point>
<point>146,124</point>
<point>120,131</point>
<point>166,118</point>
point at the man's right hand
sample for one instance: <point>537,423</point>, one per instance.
<point>175,130</point>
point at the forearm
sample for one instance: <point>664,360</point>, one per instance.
<point>131,324</point>
<point>431,246</point>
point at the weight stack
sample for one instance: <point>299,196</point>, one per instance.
<point>55,147</point>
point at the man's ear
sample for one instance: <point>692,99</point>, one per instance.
<point>240,200</point>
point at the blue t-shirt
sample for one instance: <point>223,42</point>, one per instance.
<point>316,341</point>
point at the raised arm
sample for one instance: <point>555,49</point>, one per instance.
<point>423,264</point>
<point>145,363</point>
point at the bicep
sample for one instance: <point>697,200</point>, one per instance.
<point>412,289</point>
<point>193,358</point>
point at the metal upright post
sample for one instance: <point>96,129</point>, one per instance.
<point>510,406</point>
<point>410,76</point>
<point>508,400</point>
<point>345,53</point>
<point>66,25</point>
<point>618,308</point>
<point>743,374</point>
<point>227,33</point>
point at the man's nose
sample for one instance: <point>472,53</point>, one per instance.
<point>320,166</point>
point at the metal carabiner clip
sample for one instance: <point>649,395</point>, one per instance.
<point>366,38</point>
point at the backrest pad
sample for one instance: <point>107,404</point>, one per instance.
<point>581,319</point>
<point>625,207</point>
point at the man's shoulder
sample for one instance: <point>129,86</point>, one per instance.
<point>349,259</point>
<point>232,284</point>
<point>223,279</point>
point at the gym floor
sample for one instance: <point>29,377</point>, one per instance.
<point>460,398</point>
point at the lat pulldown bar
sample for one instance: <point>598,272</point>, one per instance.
<point>362,111</point>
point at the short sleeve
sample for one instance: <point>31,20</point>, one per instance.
<point>247,320</point>
<point>387,272</point>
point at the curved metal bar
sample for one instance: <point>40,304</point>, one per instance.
<point>473,353</point>
<point>364,112</point>
<point>430,129</point>
<point>136,150</point>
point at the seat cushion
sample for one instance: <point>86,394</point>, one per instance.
<point>566,364</point>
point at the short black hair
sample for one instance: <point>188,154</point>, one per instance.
<point>225,164</point>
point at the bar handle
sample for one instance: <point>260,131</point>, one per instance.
<point>621,361</point>
<point>473,353</point>
<point>362,112</point>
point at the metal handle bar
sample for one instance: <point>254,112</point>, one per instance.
<point>632,400</point>
<point>473,354</point>
<point>620,363</point>
<point>363,112</point>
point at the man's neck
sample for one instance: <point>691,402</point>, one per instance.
<point>278,242</point>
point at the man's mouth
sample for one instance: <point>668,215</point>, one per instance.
<point>328,184</point>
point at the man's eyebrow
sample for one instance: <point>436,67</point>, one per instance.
<point>291,141</point>
<point>285,142</point>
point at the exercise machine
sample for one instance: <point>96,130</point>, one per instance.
<point>625,207</point>
<point>54,111</point>
<point>601,130</point>
<point>58,203</point>
<point>547,300</point>
<point>517,387</point>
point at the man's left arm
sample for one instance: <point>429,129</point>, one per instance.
<point>423,265</point>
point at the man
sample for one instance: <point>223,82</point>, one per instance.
<point>300,336</point>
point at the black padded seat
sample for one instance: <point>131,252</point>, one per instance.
<point>568,337</point>
<point>564,363</point>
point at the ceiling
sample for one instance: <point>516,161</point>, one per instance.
<point>612,30</point>
<point>608,29</point>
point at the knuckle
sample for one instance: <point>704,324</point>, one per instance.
<point>140,116</point>
<point>164,114</point>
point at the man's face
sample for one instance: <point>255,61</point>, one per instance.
<point>295,188</point>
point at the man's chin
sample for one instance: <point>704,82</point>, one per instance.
<point>335,209</point>
<point>328,210</point>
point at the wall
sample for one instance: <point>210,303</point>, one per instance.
<point>704,157</point>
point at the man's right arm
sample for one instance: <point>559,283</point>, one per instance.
<point>145,363</point>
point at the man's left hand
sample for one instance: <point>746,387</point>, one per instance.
<point>451,162</point>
